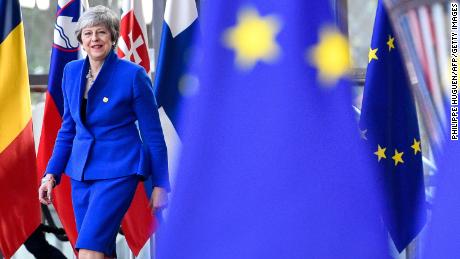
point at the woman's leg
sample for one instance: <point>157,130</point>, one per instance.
<point>89,254</point>
<point>102,216</point>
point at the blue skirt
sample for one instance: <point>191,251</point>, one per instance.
<point>99,207</point>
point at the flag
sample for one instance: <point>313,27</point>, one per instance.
<point>442,237</point>
<point>133,41</point>
<point>138,223</point>
<point>64,49</point>
<point>19,206</point>
<point>389,125</point>
<point>177,39</point>
<point>272,165</point>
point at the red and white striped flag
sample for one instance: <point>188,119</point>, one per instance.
<point>138,223</point>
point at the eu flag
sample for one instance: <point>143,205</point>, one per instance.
<point>272,165</point>
<point>389,124</point>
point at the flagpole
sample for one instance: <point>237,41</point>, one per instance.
<point>154,241</point>
<point>85,4</point>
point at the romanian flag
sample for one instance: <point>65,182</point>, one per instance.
<point>19,206</point>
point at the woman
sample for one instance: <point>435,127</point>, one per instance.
<point>98,145</point>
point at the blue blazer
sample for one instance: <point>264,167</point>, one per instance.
<point>108,145</point>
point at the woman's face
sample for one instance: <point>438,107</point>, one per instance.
<point>97,42</point>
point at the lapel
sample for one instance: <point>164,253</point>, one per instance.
<point>99,84</point>
<point>81,88</point>
<point>103,78</point>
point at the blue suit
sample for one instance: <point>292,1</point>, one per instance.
<point>108,144</point>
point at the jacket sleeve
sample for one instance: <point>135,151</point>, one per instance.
<point>64,140</point>
<point>146,111</point>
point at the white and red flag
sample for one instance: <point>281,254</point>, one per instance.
<point>133,41</point>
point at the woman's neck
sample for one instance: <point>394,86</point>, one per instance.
<point>95,66</point>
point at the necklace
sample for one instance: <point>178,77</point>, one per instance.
<point>90,77</point>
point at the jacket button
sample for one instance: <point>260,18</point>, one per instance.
<point>105,99</point>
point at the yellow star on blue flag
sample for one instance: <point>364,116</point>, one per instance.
<point>254,38</point>
<point>330,56</point>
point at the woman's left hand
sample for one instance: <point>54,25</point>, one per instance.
<point>159,199</point>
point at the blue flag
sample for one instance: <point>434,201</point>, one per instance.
<point>389,124</point>
<point>272,165</point>
<point>179,30</point>
<point>443,236</point>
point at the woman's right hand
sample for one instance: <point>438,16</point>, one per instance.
<point>46,188</point>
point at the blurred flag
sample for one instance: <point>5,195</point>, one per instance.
<point>389,124</point>
<point>179,29</point>
<point>272,165</point>
<point>138,223</point>
<point>443,236</point>
<point>19,206</point>
<point>65,49</point>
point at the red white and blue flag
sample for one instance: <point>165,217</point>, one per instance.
<point>65,49</point>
